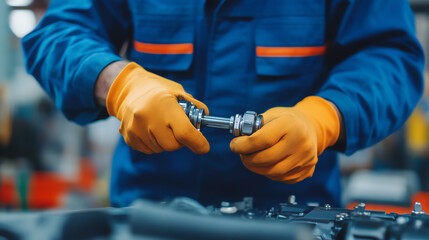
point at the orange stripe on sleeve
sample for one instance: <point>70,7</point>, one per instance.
<point>290,51</point>
<point>179,48</point>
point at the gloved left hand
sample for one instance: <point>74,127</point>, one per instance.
<point>287,147</point>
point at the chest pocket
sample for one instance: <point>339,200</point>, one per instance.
<point>289,45</point>
<point>164,34</point>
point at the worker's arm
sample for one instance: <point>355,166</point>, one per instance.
<point>73,53</point>
<point>105,81</point>
<point>377,63</point>
<point>73,43</point>
<point>374,83</point>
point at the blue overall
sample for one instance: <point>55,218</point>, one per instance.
<point>370,66</point>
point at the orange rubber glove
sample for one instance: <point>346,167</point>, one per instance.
<point>286,148</point>
<point>152,120</point>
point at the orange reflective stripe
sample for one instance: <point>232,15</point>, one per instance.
<point>179,48</point>
<point>290,51</point>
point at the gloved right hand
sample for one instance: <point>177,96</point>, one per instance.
<point>152,121</point>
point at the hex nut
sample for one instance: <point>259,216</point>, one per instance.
<point>249,119</point>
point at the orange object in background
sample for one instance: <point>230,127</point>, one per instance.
<point>86,176</point>
<point>8,192</point>
<point>46,190</point>
<point>421,197</point>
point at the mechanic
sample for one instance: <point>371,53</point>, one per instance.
<point>334,75</point>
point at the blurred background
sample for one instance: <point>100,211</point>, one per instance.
<point>47,162</point>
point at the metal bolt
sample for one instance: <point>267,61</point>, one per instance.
<point>292,200</point>
<point>418,209</point>
<point>238,125</point>
<point>327,207</point>
<point>360,207</point>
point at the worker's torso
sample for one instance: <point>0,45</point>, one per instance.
<point>234,56</point>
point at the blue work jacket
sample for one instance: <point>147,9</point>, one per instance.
<point>234,56</point>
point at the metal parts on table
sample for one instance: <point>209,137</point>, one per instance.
<point>418,209</point>
<point>238,125</point>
